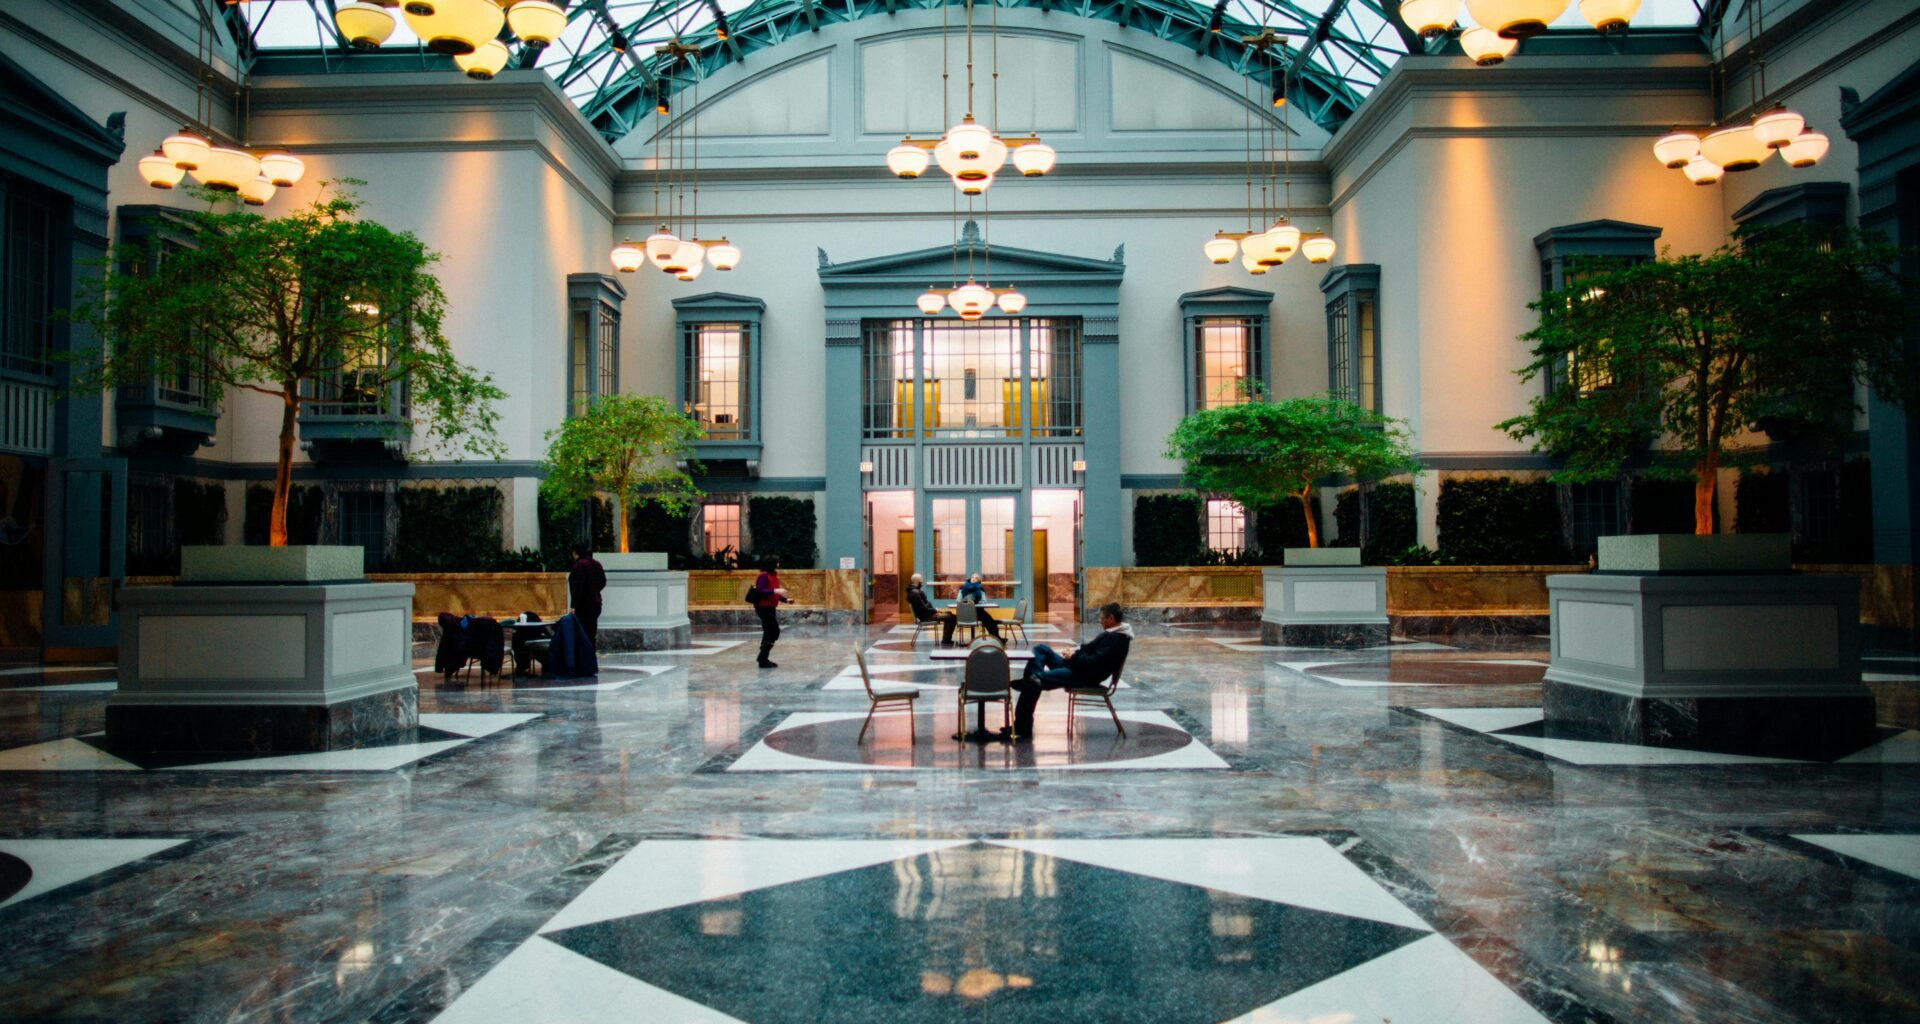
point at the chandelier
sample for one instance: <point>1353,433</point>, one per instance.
<point>1733,148</point>
<point>970,153</point>
<point>1261,250</point>
<point>972,300</point>
<point>1501,24</point>
<point>236,170</point>
<point>467,30</point>
<point>684,258</point>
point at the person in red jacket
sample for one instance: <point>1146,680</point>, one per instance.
<point>769,596</point>
<point>585,581</point>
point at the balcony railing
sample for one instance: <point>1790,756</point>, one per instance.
<point>356,406</point>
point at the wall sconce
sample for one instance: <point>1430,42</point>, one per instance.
<point>866,466</point>
<point>1079,465</point>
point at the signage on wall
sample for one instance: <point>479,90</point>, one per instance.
<point>846,561</point>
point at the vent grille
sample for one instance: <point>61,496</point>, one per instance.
<point>26,418</point>
<point>957,466</point>
<point>892,466</point>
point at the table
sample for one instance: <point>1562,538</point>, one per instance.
<point>539,630</point>
<point>956,654</point>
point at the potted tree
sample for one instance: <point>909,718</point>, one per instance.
<point>1697,640</point>
<point>1268,455</point>
<point>287,308</point>
<point>631,450</point>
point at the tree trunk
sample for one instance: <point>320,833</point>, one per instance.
<point>1306,509</point>
<point>620,509</point>
<point>1706,473</point>
<point>283,471</point>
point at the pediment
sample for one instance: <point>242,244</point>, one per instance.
<point>936,264</point>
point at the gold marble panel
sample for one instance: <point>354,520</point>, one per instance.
<point>20,621</point>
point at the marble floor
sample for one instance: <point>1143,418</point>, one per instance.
<point>1281,835</point>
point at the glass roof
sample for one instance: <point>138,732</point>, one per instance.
<point>607,63</point>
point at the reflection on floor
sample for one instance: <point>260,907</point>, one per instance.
<point>904,932</point>
<point>1350,836</point>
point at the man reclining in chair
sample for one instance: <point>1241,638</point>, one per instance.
<point>923,611</point>
<point>1092,665</point>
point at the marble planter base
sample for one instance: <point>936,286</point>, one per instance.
<point>619,639</point>
<point>1471,626</point>
<point>264,728</point>
<point>1804,728</point>
<point>1326,635</point>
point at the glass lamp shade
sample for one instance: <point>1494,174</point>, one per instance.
<point>187,150</point>
<point>364,25</point>
<point>1778,127</point>
<point>159,171</point>
<point>536,22</point>
<point>455,26</point>
<point>724,256</point>
<point>1516,19</point>
<point>685,255</point>
<point>1220,249</point>
<point>257,191</point>
<point>971,153</point>
<point>693,269</point>
<point>1676,148</point>
<point>1283,238</point>
<point>1486,46</point>
<point>283,169</point>
<point>1252,265</point>
<point>908,161</point>
<point>1734,148</point>
<point>628,257</point>
<point>1317,247</point>
<point>1033,159</point>
<point>484,62</point>
<point>225,169</point>
<point>931,302</point>
<point>1430,18</point>
<point>1701,171</point>
<point>1609,15</point>
<point>660,247</point>
<point>971,297</point>
<point>1012,301</point>
<point>1806,149</point>
<point>972,186</point>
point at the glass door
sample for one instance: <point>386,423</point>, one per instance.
<point>974,534</point>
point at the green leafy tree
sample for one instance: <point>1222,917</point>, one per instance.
<point>291,307</point>
<point>1263,453</point>
<point>1775,327</point>
<point>626,448</point>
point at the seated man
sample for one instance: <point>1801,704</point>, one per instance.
<point>1092,665</point>
<point>923,611</point>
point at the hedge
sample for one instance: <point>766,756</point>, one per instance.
<point>1393,524</point>
<point>1500,521</point>
<point>1168,529</point>
<point>1283,526</point>
<point>447,529</point>
<point>1762,503</point>
<point>1664,506</point>
<point>783,528</point>
<point>199,512</point>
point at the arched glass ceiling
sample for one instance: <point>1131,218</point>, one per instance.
<point>609,61</point>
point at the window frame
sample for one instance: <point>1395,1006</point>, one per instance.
<point>1352,294</point>
<point>592,339</point>
<point>1033,408</point>
<point>748,314</point>
<point>1248,305</point>
<point>1562,251</point>
<point>40,367</point>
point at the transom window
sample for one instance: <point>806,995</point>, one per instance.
<point>716,376</point>
<point>993,378</point>
<point>1226,360</point>
<point>720,526</point>
<point>1226,526</point>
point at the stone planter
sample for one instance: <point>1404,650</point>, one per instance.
<point>264,667</point>
<point>644,607</point>
<point>1324,597</point>
<point>1748,662</point>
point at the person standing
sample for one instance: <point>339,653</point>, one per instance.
<point>768,596</point>
<point>585,581</point>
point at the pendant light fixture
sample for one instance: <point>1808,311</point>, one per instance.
<point>971,153</point>
<point>1430,18</point>
<point>222,168</point>
<point>1516,19</point>
<point>1609,15</point>
<point>1732,148</point>
<point>364,25</point>
<point>484,62</point>
<point>684,258</point>
<point>1261,250</point>
<point>1486,46</point>
<point>628,257</point>
<point>454,26</point>
<point>1675,148</point>
<point>1806,149</point>
<point>537,22</point>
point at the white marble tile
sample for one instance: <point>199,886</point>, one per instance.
<point>699,647</point>
<point>1899,853</point>
<point>1429,981</point>
<point>102,686</point>
<point>661,873</point>
<point>472,724</point>
<point>54,669</point>
<point>1300,870</point>
<point>762,758</point>
<point>1889,677</point>
<point>1900,748</point>
<point>369,759</point>
<point>1303,666</point>
<point>1587,752</point>
<point>1486,719</point>
<point>542,983</point>
<point>58,862</point>
<point>68,755</point>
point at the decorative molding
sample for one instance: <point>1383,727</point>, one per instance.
<point>843,332</point>
<point>1100,330</point>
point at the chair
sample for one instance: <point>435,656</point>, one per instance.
<point>966,616</point>
<point>929,625</point>
<point>987,679</point>
<point>1017,624</point>
<point>895,694</point>
<point>1096,696</point>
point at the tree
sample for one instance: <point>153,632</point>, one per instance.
<point>625,447</point>
<point>290,307</point>
<point>1776,327</point>
<point>1261,453</point>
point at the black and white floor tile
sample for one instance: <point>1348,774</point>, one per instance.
<point>1273,930</point>
<point>1385,672</point>
<point>35,867</point>
<point>611,677</point>
<point>828,741</point>
<point>1252,645</point>
<point>940,676</point>
<point>1525,728</point>
<point>438,733</point>
<point>1890,851</point>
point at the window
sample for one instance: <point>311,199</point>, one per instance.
<point>1224,360</point>
<point>720,526</point>
<point>716,375</point>
<point>150,543</point>
<point>157,234</point>
<point>972,379</point>
<point>1593,511</point>
<point>1226,526</point>
<point>26,279</point>
<point>1567,254</point>
<point>593,339</point>
<point>363,523</point>
<point>1353,334</point>
<point>358,387</point>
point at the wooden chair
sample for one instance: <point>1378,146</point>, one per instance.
<point>893,694</point>
<point>987,679</point>
<point>1096,696</point>
<point>1017,624</point>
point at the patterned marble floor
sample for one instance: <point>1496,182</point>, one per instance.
<point>1284,835</point>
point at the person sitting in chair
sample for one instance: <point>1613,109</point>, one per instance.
<point>972,589</point>
<point>923,611</point>
<point>1092,665</point>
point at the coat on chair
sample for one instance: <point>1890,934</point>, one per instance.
<point>571,655</point>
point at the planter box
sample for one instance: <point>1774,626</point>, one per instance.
<point>299,563</point>
<point>1688,552</point>
<point>263,669</point>
<point>1320,556</point>
<point>1325,606</point>
<point>644,607</point>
